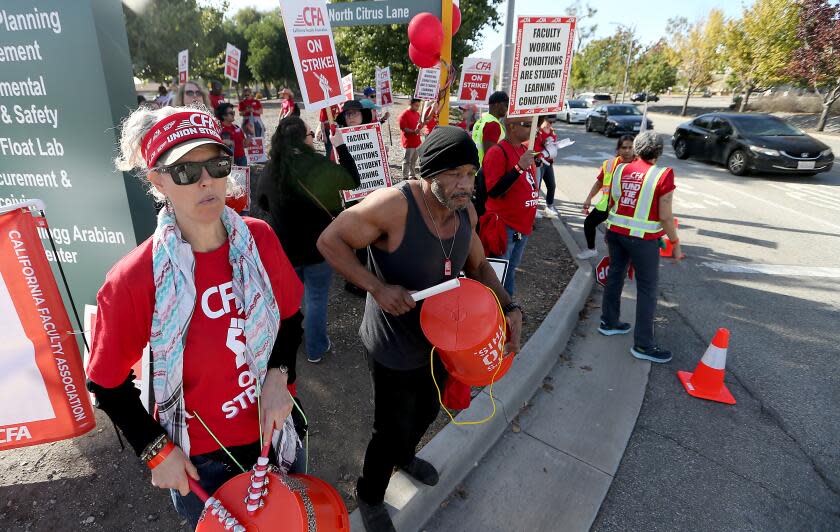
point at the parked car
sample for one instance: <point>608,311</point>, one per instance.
<point>747,142</point>
<point>616,119</point>
<point>594,99</point>
<point>574,111</point>
<point>644,97</point>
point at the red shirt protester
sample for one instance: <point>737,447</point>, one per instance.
<point>409,120</point>
<point>235,134</point>
<point>517,207</point>
<point>540,142</point>
<point>287,106</point>
<point>250,107</point>
<point>635,173</point>
<point>216,376</point>
<point>491,132</point>
<point>216,100</point>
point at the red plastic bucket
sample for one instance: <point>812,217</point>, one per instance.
<point>291,504</point>
<point>467,328</point>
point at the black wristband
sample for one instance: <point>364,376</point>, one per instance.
<point>510,307</point>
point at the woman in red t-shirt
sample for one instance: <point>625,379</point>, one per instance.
<point>250,109</point>
<point>545,146</point>
<point>232,135</point>
<point>287,104</point>
<point>220,335</point>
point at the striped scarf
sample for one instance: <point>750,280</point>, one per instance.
<point>175,298</point>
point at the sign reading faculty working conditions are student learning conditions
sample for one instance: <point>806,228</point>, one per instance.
<point>313,52</point>
<point>542,60</point>
<point>366,146</point>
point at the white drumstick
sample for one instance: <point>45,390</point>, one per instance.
<point>436,289</point>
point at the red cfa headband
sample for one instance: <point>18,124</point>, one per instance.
<point>176,129</point>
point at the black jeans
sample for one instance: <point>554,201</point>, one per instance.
<point>593,220</point>
<point>645,257</point>
<point>405,404</point>
<point>547,176</point>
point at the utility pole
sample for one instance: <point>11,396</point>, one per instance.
<point>504,68</point>
<point>627,68</point>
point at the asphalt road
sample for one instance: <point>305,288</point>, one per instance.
<point>762,261</point>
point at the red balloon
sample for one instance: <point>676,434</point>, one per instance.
<point>456,19</point>
<point>421,58</point>
<point>425,32</point>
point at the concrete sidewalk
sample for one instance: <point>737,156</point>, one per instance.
<point>552,468</point>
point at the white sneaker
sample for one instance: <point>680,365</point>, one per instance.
<point>539,214</point>
<point>587,254</point>
<point>550,213</point>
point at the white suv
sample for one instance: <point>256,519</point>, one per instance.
<point>594,99</point>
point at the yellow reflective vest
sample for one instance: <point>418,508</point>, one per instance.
<point>638,225</point>
<point>478,133</point>
<point>608,169</point>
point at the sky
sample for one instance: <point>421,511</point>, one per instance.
<point>648,16</point>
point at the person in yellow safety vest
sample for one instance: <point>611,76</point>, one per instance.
<point>489,129</point>
<point>624,154</point>
<point>640,212</point>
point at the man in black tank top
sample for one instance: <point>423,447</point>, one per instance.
<point>419,233</point>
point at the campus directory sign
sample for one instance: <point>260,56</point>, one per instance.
<point>65,84</point>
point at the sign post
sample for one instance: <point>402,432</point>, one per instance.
<point>183,66</point>
<point>446,60</point>
<point>313,52</point>
<point>233,57</point>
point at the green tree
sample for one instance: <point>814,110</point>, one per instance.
<point>653,71</point>
<point>696,50</point>
<point>269,58</point>
<point>362,48</point>
<point>758,47</point>
<point>601,63</point>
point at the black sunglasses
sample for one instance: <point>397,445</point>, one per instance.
<point>192,93</point>
<point>190,173</point>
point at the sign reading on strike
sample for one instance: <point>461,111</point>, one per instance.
<point>542,60</point>
<point>384,96</point>
<point>368,150</point>
<point>313,52</point>
<point>183,66</point>
<point>256,151</point>
<point>233,56</point>
<point>428,84</point>
<point>347,86</point>
<point>476,78</point>
<point>42,385</point>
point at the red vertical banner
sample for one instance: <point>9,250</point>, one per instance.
<point>42,383</point>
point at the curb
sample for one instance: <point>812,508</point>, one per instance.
<point>455,450</point>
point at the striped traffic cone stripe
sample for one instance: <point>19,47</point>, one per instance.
<point>707,380</point>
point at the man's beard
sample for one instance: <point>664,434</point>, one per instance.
<point>449,203</point>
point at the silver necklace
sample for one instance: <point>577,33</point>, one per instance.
<point>447,263</point>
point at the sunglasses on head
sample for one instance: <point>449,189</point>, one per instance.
<point>190,173</point>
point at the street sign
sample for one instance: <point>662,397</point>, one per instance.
<point>542,60</point>
<point>603,269</point>
<point>313,52</point>
<point>380,12</point>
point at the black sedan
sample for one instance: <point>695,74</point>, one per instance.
<point>644,97</point>
<point>751,142</point>
<point>616,119</point>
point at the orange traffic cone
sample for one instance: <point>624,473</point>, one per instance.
<point>667,249</point>
<point>707,380</point>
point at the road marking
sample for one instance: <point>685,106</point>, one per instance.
<point>759,199</point>
<point>818,195</point>
<point>774,269</point>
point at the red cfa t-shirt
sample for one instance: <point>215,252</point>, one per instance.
<point>409,120</point>
<point>216,100</point>
<point>235,134</point>
<point>491,132</point>
<point>250,107</point>
<point>518,206</point>
<point>217,382</point>
<point>635,173</point>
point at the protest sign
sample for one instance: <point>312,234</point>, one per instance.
<point>541,62</point>
<point>142,373</point>
<point>368,150</point>
<point>476,78</point>
<point>384,96</point>
<point>428,84</point>
<point>347,86</point>
<point>42,384</point>
<point>241,200</point>
<point>183,66</point>
<point>233,56</point>
<point>313,52</point>
<point>256,151</point>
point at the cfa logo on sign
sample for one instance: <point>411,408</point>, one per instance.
<point>310,16</point>
<point>484,65</point>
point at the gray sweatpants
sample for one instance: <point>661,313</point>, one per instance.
<point>409,163</point>
<point>644,254</point>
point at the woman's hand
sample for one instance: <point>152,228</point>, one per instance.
<point>586,205</point>
<point>172,472</point>
<point>275,402</point>
<point>337,138</point>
